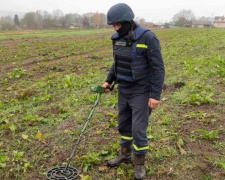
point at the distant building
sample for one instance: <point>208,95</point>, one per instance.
<point>75,26</point>
<point>201,24</point>
<point>147,25</point>
<point>158,25</point>
<point>219,22</point>
<point>188,25</point>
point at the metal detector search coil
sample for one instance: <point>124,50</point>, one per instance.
<point>62,173</point>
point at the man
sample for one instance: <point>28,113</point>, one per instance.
<point>138,68</point>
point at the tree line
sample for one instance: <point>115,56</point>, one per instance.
<point>56,19</point>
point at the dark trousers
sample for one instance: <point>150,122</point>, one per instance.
<point>133,121</point>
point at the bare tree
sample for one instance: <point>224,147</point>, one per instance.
<point>69,19</point>
<point>78,18</point>
<point>183,17</point>
<point>6,23</point>
<point>140,20</point>
<point>39,17</point>
<point>102,19</point>
<point>57,16</point>
<point>47,20</point>
<point>89,16</point>
<point>30,20</point>
<point>86,22</point>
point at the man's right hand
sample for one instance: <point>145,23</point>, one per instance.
<point>106,85</point>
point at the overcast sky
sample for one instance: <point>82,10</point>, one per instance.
<point>154,11</point>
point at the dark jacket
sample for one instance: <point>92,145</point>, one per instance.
<point>154,82</point>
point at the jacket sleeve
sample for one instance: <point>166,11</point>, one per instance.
<point>156,63</point>
<point>111,75</point>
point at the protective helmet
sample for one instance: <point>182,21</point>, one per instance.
<point>119,13</point>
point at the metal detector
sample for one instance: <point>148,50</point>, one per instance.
<point>67,172</point>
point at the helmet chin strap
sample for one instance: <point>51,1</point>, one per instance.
<point>131,32</point>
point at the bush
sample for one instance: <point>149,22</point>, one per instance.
<point>7,27</point>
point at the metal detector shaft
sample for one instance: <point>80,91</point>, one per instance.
<point>84,128</point>
<point>67,172</point>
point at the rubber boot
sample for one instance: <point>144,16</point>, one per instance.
<point>139,168</point>
<point>125,156</point>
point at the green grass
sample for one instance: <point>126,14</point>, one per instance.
<point>45,100</point>
<point>49,33</point>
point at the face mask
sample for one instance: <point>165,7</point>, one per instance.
<point>125,28</point>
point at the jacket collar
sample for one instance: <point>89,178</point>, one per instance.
<point>137,33</point>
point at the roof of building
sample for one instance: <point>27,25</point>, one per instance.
<point>220,17</point>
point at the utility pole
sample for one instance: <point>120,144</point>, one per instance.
<point>212,20</point>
